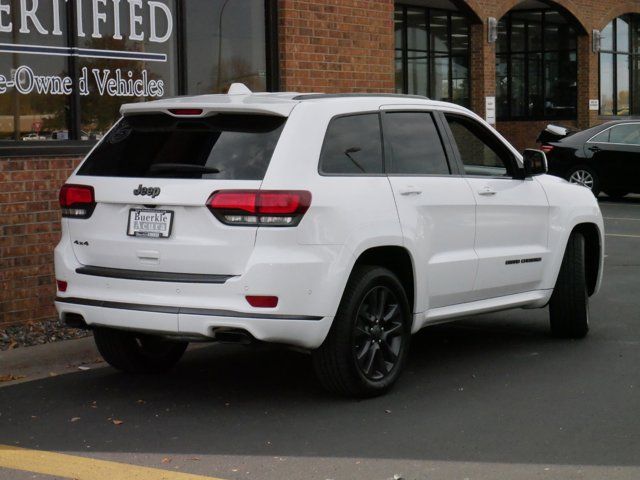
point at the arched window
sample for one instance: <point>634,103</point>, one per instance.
<point>432,53</point>
<point>620,67</point>
<point>536,65</point>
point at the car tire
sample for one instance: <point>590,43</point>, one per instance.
<point>134,352</point>
<point>585,176</point>
<point>616,194</point>
<point>366,348</point>
<point>569,305</point>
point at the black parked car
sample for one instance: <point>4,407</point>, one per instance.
<point>603,158</point>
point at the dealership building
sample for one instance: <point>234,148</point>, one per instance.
<point>66,66</point>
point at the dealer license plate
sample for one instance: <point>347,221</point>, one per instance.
<point>150,223</point>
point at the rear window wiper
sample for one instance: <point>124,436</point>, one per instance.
<point>182,167</point>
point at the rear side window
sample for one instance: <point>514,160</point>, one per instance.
<point>222,146</point>
<point>601,137</point>
<point>414,144</point>
<point>628,134</point>
<point>352,145</point>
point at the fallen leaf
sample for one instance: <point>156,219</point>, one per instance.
<point>387,411</point>
<point>82,367</point>
<point>166,460</point>
<point>53,374</point>
<point>140,402</point>
<point>11,378</point>
<point>13,345</point>
<point>117,422</point>
<point>195,459</point>
<point>74,419</point>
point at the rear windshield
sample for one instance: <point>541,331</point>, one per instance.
<point>222,146</point>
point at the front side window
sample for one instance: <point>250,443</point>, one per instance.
<point>415,147</point>
<point>620,67</point>
<point>481,152</point>
<point>352,146</point>
<point>536,66</point>
<point>432,53</point>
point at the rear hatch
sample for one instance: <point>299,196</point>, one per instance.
<point>152,176</point>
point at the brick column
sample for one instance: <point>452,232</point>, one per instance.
<point>345,46</point>
<point>588,75</point>
<point>483,67</point>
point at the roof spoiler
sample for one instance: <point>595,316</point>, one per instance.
<point>553,133</point>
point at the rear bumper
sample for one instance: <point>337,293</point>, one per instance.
<point>307,279</point>
<point>304,331</point>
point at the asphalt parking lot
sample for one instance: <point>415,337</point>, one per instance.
<point>491,397</point>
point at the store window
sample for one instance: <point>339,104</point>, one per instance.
<point>620,67</point>
<point>66,67</point>
<point>536,66</point>
<point>432,53</point>
<point>41,108</point>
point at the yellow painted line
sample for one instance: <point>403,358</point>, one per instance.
<point>82,468</point>
<point>621,235</point>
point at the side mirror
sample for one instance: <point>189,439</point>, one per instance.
<point>535,162</point>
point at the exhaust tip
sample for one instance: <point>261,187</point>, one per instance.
<point>234,335</point>
<point>75,320</point>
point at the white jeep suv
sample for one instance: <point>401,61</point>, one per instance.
<point>339,224</point>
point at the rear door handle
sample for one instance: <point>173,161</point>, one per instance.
<point>486,191</point>
<point>407,193</point>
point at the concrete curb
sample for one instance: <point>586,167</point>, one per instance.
<point>50,359</point>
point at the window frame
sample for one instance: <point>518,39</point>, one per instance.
<point>322,173</point>
<point>527,53</point>
<point>75,146</point>
<point>633,56</point>
<point>518,171</point>
<point>444,141</point>
<point>430,53</point>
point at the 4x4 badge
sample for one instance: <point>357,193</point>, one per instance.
<point>153,192</point>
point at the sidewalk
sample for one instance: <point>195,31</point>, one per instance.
<point>51,359</point>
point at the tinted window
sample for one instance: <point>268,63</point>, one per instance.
<point>414,143</point>
<point>480,151</point>
<point>628,134</point>
<point>602,137</point>
<point>158,145</point>
<point>352,145</point>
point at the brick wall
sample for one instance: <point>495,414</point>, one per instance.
<point>30,229</point>
<point>336,45</point>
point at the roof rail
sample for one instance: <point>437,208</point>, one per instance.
<point>315,96</point>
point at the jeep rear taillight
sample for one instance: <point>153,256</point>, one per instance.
<point>77,201</point>
<point>268,208</point>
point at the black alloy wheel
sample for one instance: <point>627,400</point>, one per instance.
<point>378,333</point>
<point>366,348</point>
